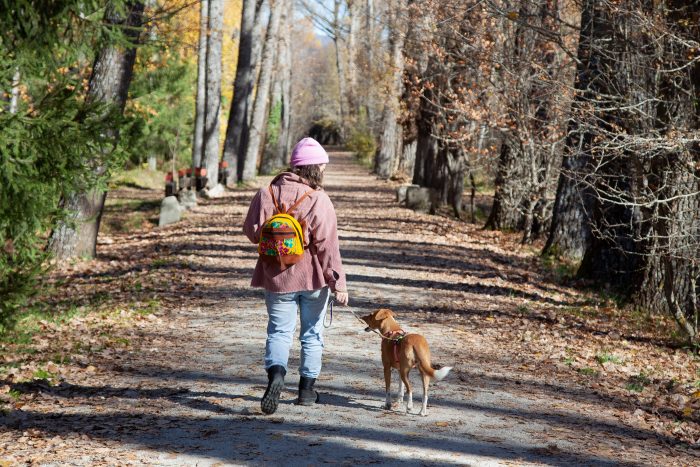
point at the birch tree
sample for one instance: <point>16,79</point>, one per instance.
<point>243,86</point>
<point>210,155</point>
<point>277,143</point>
<point>201,99</point>
<point>260,106</point>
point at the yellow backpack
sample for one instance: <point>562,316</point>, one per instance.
<point>282,237</point>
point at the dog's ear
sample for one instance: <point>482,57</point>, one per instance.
<point>383,313</point>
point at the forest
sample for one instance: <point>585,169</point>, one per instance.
<point>567,127</point>
<point>587,144</point>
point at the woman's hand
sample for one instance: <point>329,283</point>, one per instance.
<point>342,298</point>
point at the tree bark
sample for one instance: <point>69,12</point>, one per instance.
<point>259,118</point>
<point>275,155</point>
<point>525,165</point>
<point>369,37</point>
<point>570,232</point>
<point>243,85</point>
<point>354,30</point>
<point>507,197</point>
<point>109,83</point>
<point>342,69</point>
<point>285,143</point>
<point>14,92</point>
<point>210,155</point>
<point>201,99</point>
<point>391,142</point>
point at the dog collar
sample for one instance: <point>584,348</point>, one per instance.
<point>396,335</point>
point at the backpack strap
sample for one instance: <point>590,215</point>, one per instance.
<point>293,206</point>
<point>303,197</point>
<point>274,200</point>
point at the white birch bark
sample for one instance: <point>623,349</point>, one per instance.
<point>258,120</point>
<point>341,67</point>
<point>210,152</point>
<point>243,86</point>
<point>14,93</point>
<point>200,103</point>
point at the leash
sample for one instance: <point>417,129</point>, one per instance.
<point>330,308</point>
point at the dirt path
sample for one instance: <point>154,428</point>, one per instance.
<point>186,390</point>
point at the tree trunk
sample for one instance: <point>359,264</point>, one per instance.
<point>417,46</point>
<point>14,92</point>
<point>613,255</point>
<point>570,231</point>
<point>392,137</point>
<point>342,69</point>
<point>369,44</point>
<point>407,159</point>
<point>354,30</point>
<point>276,149</point>
<point>285,143</point>
<point>259,118</point>
<point>671,226</point>
<point>505,214</point>
<point>526,156</point>
<point>242,89</point>
<point>201,99</point>
<point>210,153</point>
<point>109,83</point>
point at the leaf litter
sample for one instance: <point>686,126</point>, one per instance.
<point>569,358</point>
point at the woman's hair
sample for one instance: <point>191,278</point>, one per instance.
<point>311,173</point>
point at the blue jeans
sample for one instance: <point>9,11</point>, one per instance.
<point>281,324</point>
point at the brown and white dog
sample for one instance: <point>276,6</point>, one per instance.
<point>403,352</point>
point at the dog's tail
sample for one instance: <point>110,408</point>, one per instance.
<point>427,368</point>
<point>441,373</point>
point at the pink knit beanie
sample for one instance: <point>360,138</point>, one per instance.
<point>308,152</point>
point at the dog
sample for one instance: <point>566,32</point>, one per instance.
<point>403,352</point>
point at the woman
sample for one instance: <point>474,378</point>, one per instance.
<point>306,285</point>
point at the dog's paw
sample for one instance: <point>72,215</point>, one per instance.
<point>387,406</point>
<point>423,413</point>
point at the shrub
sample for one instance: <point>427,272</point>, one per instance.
<point>362,143</point>
<point>54,143</point>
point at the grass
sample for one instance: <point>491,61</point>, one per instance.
<point>587,371</point>
<point>139,178</point>
<point>483,182</point>
<point>608,358</point>
<point>160,262</point>
<point>152,306</point>
<point>30,322</point>
<point>129,215</point>
<point>562,269</point>
<point>43,374</point>
<point>638,382</point>
<point>34,319</point>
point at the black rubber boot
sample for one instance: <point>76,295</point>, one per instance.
<point>307,394</point>
<point>275,384</point>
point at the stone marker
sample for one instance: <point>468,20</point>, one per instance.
<point>152,162</point>
<point>187,198</point>
<point>401,193</point>
<point>213,192</point>
<point>419,199</point>
<point>170,211</point>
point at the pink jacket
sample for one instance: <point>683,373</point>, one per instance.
<point>321,264</point>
